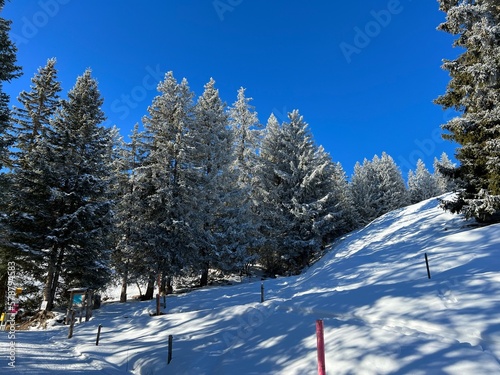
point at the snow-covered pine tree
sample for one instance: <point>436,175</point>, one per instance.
<point>442,171</point>
<point>474,90</point>
<point>8,71</point>
<point>247,134</point>
<point>161,186</point>
<point>377,187</point>
<point>29,219</point>
<point>38,107</point>
<point>294,196</point>
<point>219,221</point>
<point>76,168</point>
<point>422,184</point>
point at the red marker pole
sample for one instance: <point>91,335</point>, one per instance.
<point>320,338</point>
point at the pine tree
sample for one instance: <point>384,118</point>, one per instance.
<point>65,219</point>
<point>442,170</point>
<point>8,71</point>
<point>28,219</point>
<point>422,184</point>
<point>220,240</point>
<point>39,106</point>
<point>377,187</point>
<point>474,91</point>
<point>161,185</point>
<point>294,195</point>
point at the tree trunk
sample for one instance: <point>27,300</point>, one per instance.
<point>204,276</point>
<point>52,276</point>
<point>150,290</point>
<point>170,287</point>
<point>123,293</point>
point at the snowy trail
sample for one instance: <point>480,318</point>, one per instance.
<point>38,353</point>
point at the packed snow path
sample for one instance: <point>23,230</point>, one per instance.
<point>38,353</point>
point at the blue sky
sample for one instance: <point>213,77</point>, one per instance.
<point>362,73</point>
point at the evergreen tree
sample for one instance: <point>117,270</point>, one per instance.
<point>474,91</point>
<point>161,183</point>
<point>422,184</point>
<point>221,241</point>
<point>63,209</point>
<point>8,71</point>
<point>442,170</point>
<point>39,106</point>
<point>28,219</point>
<point>377,187</point>
<point>294,195</point>
<point>247,135</point>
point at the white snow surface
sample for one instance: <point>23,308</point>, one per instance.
<point>381,313</point>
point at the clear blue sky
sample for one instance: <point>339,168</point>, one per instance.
<point>362,73</point>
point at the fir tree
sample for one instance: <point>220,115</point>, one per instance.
<point>474,91</point>
<point>377,187</point>
<point>443,168</point>
<point>295,196</point>
<point>63,209</point>
<point>422,184</point>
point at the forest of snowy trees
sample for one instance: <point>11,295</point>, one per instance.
<point>200,186</point>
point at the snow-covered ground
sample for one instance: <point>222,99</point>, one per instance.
<point>381,313</point>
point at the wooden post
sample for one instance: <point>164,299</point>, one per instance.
<point>88,310</point>
<point>98,334</point>
<point>164,301</point>
<point>427,264</point>
<point>320,339</point>
<point>70,308</point>
<point>170,342</point>
<point>261,292</point>
<point>157,304</point>
<point>72,323</point>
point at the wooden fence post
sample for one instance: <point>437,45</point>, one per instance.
<point>427,264</point>
<point>170,342</point>
<point>72,324</point>
<point>98,335</point>
<point>320,339</point>
<point>261,292</point>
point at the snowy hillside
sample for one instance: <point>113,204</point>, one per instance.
<point>381,313</point>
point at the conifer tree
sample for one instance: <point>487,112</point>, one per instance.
<point>161,186</point>
<point>442,170</point>
<point>377,187</point>
<point>294,195</point>
<point>474,91</point>
<point>64,221</point>
<point>220,239</point>
<point>422,184</point>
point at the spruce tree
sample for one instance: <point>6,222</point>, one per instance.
<point>377,187</point>
<point>71,168</point>
<point>295,196</point>
<point>443,167</point>
<point>473,90</point>
<point>161,186</point>
<point>422,184</point>
<point>8,71</point>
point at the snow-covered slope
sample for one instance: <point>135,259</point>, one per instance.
<point>381,313</point>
